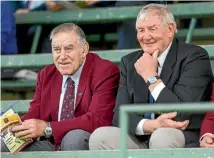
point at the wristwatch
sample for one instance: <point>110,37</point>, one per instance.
<point>152,80</point>
<point>48,130</point>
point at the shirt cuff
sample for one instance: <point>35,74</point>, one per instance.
<point>204,135</point>
<point>139,129</point>
<point>156,91</point>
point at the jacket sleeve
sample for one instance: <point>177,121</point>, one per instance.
<point>207,124</point>
<point>124,98</point>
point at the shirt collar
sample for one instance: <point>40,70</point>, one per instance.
<point>163,55</point>
<point>75,77</point>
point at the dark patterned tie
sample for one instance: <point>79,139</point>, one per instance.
<point>67,111</point>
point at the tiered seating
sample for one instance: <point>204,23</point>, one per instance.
<point>41,60</point>
<point>119,14</point>
<point>106,15</point>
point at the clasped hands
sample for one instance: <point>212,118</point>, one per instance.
<point>32,128</point>
<point>164,121</point>
<point>207,141</point>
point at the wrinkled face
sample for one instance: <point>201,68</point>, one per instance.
<point>68,55</point>
<point>152,34</point>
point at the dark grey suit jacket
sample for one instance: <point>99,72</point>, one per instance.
<point>186,73</point>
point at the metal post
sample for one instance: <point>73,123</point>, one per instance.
<point>36,39</point>
<point>191,29</point>
<point>167,107</point>
<point>123,133</point>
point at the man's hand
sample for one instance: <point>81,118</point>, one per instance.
<point>22,11</point>
<point>90,3</point>
<point>147,65</point>
<point>207,141</point>
<point>32,128</point>
<point>164,120</point>
<point>53,6</point>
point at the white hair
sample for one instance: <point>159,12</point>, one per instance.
<point>69,27</point>
<point>159,9</point>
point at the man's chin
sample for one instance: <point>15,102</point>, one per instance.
<point>65,72</point>
<point>149,52</point>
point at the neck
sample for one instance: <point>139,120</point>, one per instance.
<point>167,45</point>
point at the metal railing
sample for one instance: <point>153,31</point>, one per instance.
<point>124,110</point>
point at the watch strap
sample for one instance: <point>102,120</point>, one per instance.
<point>148,83</point>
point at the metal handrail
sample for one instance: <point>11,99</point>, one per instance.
<point>141,108</point>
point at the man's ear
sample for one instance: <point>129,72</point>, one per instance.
<point>85,49</point>
<point>171,29</point>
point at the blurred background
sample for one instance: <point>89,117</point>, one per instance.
<point>108,25</point>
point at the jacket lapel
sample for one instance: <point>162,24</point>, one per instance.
<point>56,87</point>
<point>83,78</point>
<point>169,63</point>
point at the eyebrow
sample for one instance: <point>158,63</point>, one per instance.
<point>55,46</point>
<point>152,26</point>
<point>139,27</point>
<point>70,45</point>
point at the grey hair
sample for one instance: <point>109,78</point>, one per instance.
<point>159,9</point>
<point>69,27</point>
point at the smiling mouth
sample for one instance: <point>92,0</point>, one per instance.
<point>63,64</point>
<point>149,44</point>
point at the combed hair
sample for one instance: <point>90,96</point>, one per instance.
<point>69,27</point>
<point>158,9</point>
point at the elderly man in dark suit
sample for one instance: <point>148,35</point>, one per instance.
<point>73,97</point>
<point>164,71</point>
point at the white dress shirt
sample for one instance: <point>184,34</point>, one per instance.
<point>156,91</point>
<point>75,77</point>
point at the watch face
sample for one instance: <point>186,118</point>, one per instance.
<point>48,131</point>
<point>152,79</point>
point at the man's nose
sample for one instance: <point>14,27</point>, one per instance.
<point>146,35</point>
<point>63,54</point>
